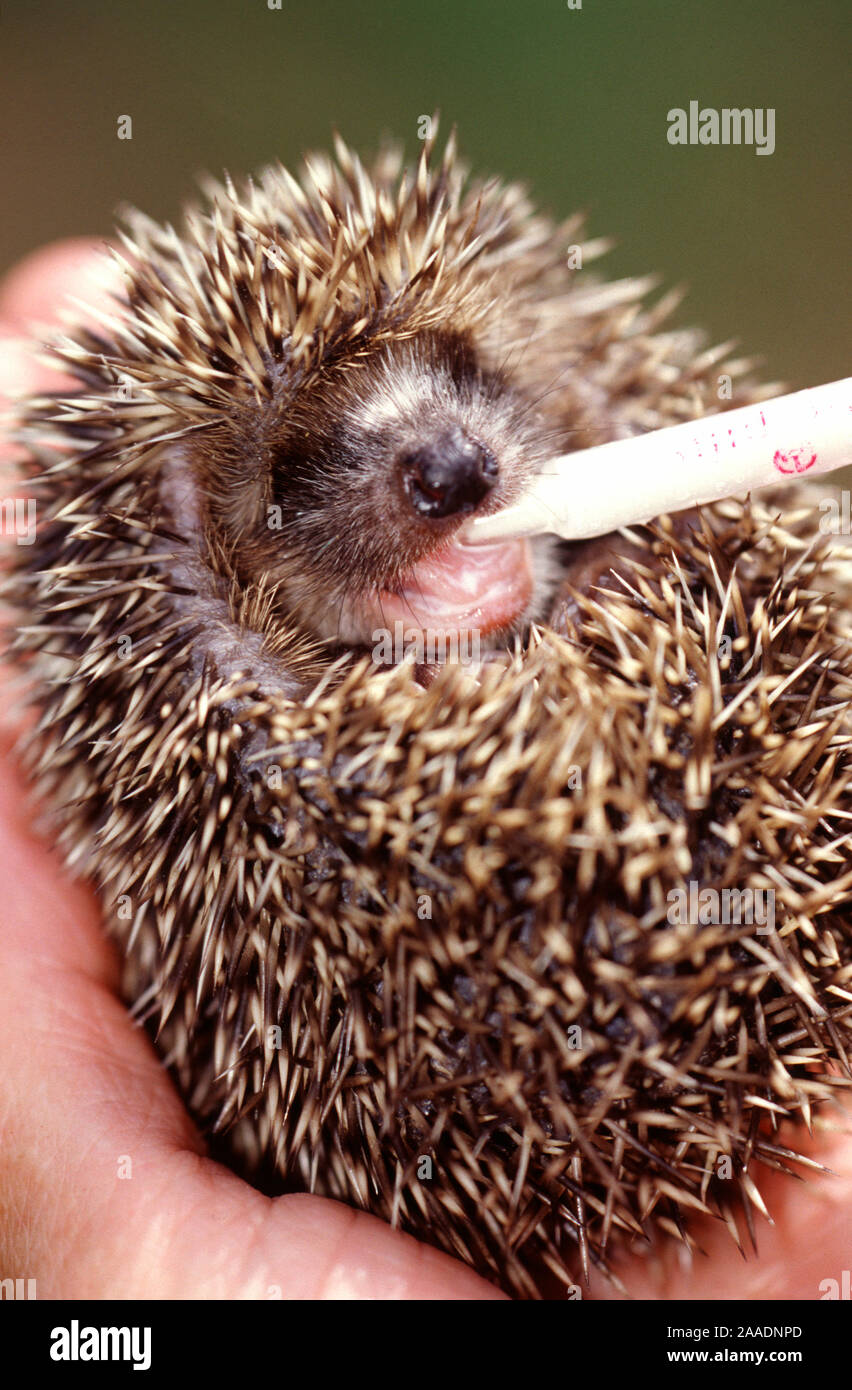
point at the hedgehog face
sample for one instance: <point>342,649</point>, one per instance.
<point>366,479</point>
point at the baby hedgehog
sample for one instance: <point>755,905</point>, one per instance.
<point>530,955</point>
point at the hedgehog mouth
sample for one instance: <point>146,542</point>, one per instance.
<point>464,588</point>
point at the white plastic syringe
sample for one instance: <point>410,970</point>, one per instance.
<point>630,481</point>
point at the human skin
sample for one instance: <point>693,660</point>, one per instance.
<point>81,1088</point>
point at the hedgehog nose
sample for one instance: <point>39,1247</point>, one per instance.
<point>449,475</point>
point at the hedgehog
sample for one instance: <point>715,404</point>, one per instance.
<point>531,954</point>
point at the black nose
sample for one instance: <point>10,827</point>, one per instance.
<point>448,475</point>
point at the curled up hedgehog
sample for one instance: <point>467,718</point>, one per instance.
<point>530,953</point>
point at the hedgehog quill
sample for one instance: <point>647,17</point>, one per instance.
<point>416,939</point>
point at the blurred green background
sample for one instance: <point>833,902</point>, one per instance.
<point>572,101</point>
